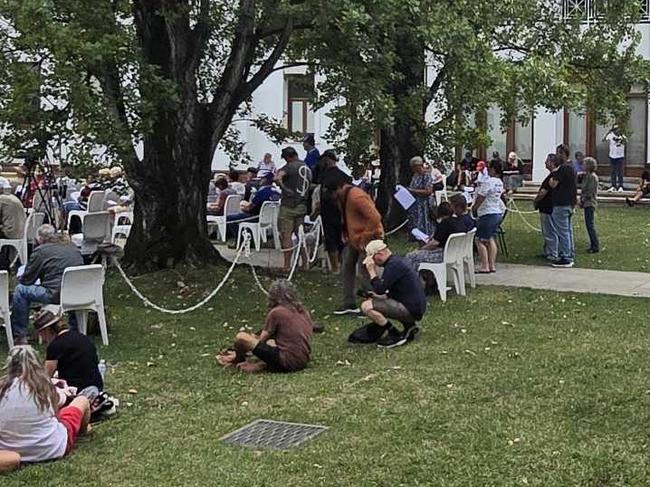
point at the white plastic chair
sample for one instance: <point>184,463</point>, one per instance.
<point>453,257</point>
<point>82,291</point>
<point>111,198</point>
<point>34,220</point>
<point>468,259</point>
<point>95,204</point>
<point>96,230</point>
<point>5,312</point>
<point>442,193</point>
<point>268,220</point>
<point>120,232</point>
<point>231,207</point>
<point>125,215</point>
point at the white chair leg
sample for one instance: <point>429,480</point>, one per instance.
<point>22,252</point>
<point>440,273</point>
<point>82,321</point>
<point>101,316</point>
<point>459,278</point>
<point>7,322</point>
<point>222,231</point>
<point>471,272</point>
<point>240,233</point>
<point>256,238</point>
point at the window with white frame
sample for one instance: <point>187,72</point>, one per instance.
<point>300,93</point>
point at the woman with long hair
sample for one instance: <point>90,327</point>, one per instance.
<point>284,344</point>
<point>32,427</point>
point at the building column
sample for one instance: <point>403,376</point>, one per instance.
<point>548,133</point>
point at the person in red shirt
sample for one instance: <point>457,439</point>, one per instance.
<point>284,344</point>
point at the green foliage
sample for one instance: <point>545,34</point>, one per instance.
<point>516,54</point>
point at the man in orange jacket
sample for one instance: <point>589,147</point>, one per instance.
<point>361,224</point>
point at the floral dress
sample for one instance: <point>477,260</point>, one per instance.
<point>419,211</point>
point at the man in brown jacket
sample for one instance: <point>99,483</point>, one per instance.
<point>361,224</point>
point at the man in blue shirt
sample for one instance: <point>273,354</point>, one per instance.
<point>397,294</point>
<point>252,209</point>
<point>313,155</point>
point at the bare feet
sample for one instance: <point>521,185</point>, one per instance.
<point>251,367</point>
<point>226,358</point>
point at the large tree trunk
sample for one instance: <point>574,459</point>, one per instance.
<point>402,140</point>
<point>171,181</point>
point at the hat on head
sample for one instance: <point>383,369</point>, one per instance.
<point>374,247</point>
<point>512,155</point>
<point>267,178</point>
<point>252,169</point>
<point>116,171</point>
<point>47,316</point>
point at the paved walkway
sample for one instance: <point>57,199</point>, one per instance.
<point>618,283</point>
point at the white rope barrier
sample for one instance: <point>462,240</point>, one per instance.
<point>397,228</point>
<point>148,302</point>
<point>521,214</point>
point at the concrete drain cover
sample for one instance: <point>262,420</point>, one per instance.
<point>277,435</point>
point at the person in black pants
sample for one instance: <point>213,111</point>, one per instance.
<point>397,294</point>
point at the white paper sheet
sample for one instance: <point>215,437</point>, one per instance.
<point>404,197</point>
<point>420,235</point>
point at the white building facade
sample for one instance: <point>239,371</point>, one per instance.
<point>284,96</point>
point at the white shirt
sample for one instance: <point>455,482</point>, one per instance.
<point>616,145</point>
<point>25,429</point>
<point>491,189</point>
<point>263,168</point>
<point>436,175</point>
<point>240,188</point>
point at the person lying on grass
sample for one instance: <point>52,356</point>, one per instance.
<point>284,345</point>
<point>32,427</point>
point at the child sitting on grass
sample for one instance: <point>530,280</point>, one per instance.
<point>284,345</point>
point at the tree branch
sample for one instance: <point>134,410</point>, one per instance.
<point>435,86</point>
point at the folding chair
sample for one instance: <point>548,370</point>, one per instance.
<point>34,220</point>
<point>82,291</point>
<point>454,257</point>
<point>259,230</point>
<point>5,312</point>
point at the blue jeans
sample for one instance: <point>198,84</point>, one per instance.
<point>616,175</point>
<point>563,231</point>
<point>549,236</point>
<point>23,296</point>
<point>590,212</point>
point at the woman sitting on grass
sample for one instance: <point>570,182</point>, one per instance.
<point>32,427</point>
<point>284,345</point>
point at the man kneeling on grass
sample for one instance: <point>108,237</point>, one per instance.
<point>397,295</point>
<point>284,345</point>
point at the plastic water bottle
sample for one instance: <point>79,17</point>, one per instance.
<point>102,368</point>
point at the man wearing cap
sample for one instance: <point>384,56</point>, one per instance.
<point>69,352</point>
<point>361,223</point>
<point>329,211</point>
<point>396,295</point>
<point>294,178</point>
<point>252,209</point>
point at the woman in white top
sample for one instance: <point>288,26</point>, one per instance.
<point>32,427</point>
<point>489,208</point>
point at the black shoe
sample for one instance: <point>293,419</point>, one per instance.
<point>629,202</point>
<point>411,332</point>
<point>347,310</point>
<point>592,251</point>
<point>394,338</point>
<point>368,333</point>
<point>566,263</point>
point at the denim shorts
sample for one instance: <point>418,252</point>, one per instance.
<point>486,228</point>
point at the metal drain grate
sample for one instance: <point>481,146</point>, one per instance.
<point>278,435</point>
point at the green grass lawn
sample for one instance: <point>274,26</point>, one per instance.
<point>624,235</point>
<point>506,387</point>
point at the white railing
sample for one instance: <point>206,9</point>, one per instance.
<point>587,10</point>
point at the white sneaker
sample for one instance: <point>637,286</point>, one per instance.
<point>611,190</point>
<point>620,190</point>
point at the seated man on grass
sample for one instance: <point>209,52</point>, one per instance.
<point>396,295</point>
<point>284,345</point>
